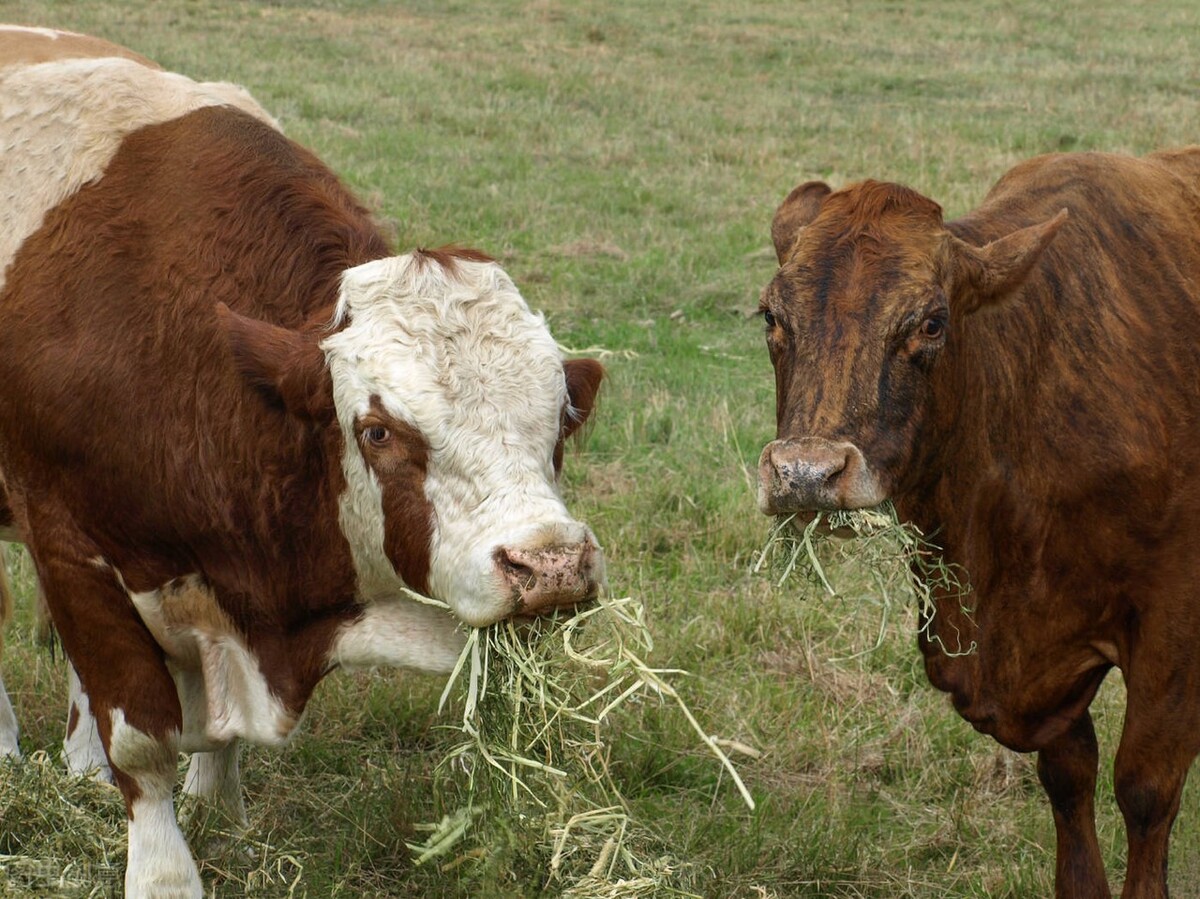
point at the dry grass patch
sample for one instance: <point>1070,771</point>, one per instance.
<point>532,780</point>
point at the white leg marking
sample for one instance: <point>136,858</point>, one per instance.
<point>160,864</point>
<point>82,748</point>
<point>214,777</point>
<point>8,725</point>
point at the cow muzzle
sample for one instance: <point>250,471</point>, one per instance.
<point>545,578</point>
<point>813,474</point>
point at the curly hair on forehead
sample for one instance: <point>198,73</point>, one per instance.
<point>864,203</point>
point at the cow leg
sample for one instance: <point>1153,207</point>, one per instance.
<point>8,725</point>
<point>82,749</point>
<point>135,704</point>
<point>213,777</point>
<point>8,719</point>
<point>1067,769</point>
<point>1159,742</point>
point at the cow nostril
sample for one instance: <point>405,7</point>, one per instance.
<point>518,574</point>
<point>542,578</point>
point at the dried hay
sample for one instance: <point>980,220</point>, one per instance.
<point>71,838</point>
<point>531,771</point>
<point>902,563</point>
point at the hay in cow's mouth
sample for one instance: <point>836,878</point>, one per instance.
<point>903,564</point>
<point>529,773</point>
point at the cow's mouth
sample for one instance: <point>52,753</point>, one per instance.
<point>841,523</point>
<point>799,524</point>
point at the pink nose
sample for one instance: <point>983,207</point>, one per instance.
<point>546,578</point>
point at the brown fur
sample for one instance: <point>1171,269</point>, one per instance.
<point>208,475</point>
<point>20,46</point>
<point>583,385</point>
<point>399,459</point>
<point>447,257</point>
<point>1049,438</point>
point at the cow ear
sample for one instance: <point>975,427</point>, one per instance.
<point>583,384</point>
<point>798,209</point>
<point>285,366</point>
<point>982,275</point>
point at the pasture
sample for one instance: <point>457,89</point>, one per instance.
<point>623,161</point>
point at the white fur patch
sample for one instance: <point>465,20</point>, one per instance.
<point>82,747</point>
<point>140,755</point>
<point>160,864</point>
<point>460,357</point>
<point>62,122</point>
<point>400,634</point>
<point>240,703</point>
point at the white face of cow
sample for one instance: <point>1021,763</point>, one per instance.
<point>451,396</point>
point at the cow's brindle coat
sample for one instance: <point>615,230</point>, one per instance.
<point>1023,383</point>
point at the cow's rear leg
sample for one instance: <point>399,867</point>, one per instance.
<point>135,704</point>
<point>1067,769</point>
<point>1160,739</point>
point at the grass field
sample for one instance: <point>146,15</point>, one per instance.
<point>623,160</point>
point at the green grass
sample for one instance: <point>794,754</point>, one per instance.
<point>624,160</point>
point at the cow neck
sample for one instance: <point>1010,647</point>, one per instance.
<point>976,499</point>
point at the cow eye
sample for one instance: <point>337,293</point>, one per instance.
<point>377,435</point>
<point>933,327</point>
<point>769,318</point>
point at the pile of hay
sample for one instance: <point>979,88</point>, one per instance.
<point>62,835</point>
<point>530,775</point>
<point>65,836</point>
<point>904,566</point>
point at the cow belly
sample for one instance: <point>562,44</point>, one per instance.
<point>223,692</point>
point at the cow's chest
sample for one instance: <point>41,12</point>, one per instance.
<point>223,691</point>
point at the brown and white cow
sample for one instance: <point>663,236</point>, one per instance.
<point>1024,384</point>
<point>235,430</point>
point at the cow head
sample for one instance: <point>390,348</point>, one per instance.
<point>870,292</point>
<point>453,403</point>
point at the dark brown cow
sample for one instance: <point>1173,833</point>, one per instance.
<point>1024,384</point>
<point>236,432</point>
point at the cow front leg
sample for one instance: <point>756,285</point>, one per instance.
<point>1067,769</point>
<point>159,863</point>
<point>133,698</point>
<point>82,749</point>
<point>1157,747</point>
